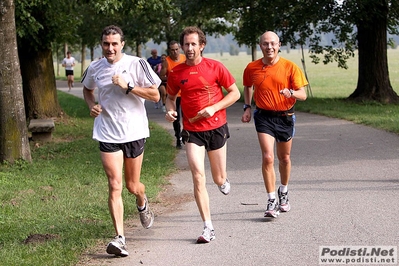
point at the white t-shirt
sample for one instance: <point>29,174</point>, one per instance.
<point>124,117</point>
<point>68,62</point>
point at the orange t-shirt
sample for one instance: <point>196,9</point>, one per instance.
<point>172,64</point>
<point>268,81</point>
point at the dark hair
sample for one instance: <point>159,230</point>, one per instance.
<point>112,29</point>
<point>190,30</point>
<point>172,43</point>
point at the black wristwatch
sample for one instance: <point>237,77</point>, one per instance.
<point>246,106</point>
<point>129,88</point>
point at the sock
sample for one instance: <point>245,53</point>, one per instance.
<point>141,208</point>
<point>208,224</point>
<point>271,195</point>
<point>283,189</point>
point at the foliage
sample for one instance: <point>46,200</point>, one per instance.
<point>45,21</point>
<point>311,18</point>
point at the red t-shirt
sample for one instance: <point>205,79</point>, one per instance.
<point>268,81</point>
<point>200,86</point>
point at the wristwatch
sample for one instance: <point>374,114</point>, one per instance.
<point>291,91</point>
<point>129,88</point>
<point>246,106</point>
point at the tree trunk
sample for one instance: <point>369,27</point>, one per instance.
<point>253,52</point>
<point>83,59</point>
<point>373,77</point>
<point>14,142</point>
<point>92,53</point>
<point>40,91</point>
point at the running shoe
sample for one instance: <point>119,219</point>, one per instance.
<point>225,188</point>
<point>156,105</point>
<point>207,236</point>
<point>179,144</point>
<point>163,108</point>
<point>146,215</point>
<point>284,204</point>
<point>117,247</point>
<point>272,209</point>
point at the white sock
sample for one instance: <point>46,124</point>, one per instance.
<point>141,208</point>
<point>208,224</point>
<point>271,195</point>
<point>283,189</point>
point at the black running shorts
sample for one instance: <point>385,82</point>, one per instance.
<point>212,139</point>
<point>131,149</point>
<point>280,127</point>
<point>68,73</point>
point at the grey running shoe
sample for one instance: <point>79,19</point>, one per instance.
<point>146,215</point>
<point>207,236</point>
<point>225,188</point>
<point>284,204</point>
<point>272,209</point>
<point>117,247</point>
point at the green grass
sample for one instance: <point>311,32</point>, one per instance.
<point>63,193</point>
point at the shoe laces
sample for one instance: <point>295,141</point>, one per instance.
<point>271,204</point>
<point>283,197</point>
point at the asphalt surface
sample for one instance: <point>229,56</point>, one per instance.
<point>343,192</point>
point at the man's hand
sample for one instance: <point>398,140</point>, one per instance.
<point>119,81</point>
<point>170,116</point>
<point>246,117</point>
<point>287,93</point>
<point>96,110</point>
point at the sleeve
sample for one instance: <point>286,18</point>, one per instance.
<point>298,78</point>
<point>227,78</point>
<point>148,76</point>
<point>87,79</point>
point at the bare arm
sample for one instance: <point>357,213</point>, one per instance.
<point>170,105</point>
<point>95,109</point>
<point>299,94</point>
<point>233,94</point>
<point>151,93</point>
<point>164,71</point>
<point>246,116</point>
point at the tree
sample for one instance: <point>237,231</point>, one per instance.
<point>355,24</point>
<point>14,142</point>
<point>38,23</point>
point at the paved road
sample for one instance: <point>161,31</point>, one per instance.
<point>344,190</point>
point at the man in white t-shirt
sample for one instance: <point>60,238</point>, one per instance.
<point>124,82</point>
<point>69,63</point>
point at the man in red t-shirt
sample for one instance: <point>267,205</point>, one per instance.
<point>200,81</point>
<point>276,84</point>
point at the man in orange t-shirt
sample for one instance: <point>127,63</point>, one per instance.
<point>175,58</point>
<point>275,84</point>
